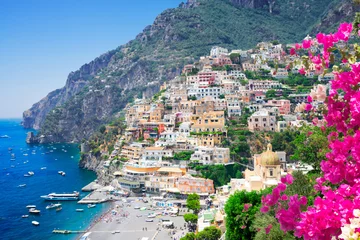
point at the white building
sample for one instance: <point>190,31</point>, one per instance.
<point>217,51</point>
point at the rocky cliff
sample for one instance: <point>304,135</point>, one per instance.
<point>95,93</point>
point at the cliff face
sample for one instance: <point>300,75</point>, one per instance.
<point>95,93</point>
<point>35,116</point>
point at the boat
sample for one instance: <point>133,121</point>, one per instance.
<point>61,196</point>
<point>91,205</point>
<point>43,168</point>
<point>35,223</point>
<point>62,173</point>
<point>22,185</point>
<point>53,205</point>
<point>4,136</point>
<point>25,216</point>
<point>29,174</point>
<point>79,210</point>
<point>59,209</point>
<point>13,156</point>
<point>34,211</point>
<point>9,149</point>
<point>31,206</point>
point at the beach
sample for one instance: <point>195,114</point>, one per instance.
<point>127,220</point>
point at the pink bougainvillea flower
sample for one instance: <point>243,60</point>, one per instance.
<point>306,44</point>
<point>344,31</point>
<point>268,229</point>
<point>308,107</point>
<point>298,46</point>
<point>302,71</point>
<point>292,51</point>
<point>309,99</point>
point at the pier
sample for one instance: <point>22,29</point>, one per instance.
<point>95,197</point>
<point>91,187</point>
<point>67,232</point>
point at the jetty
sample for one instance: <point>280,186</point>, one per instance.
<point>67,232</point>
<point>91,187</point>
<point>95,197</point>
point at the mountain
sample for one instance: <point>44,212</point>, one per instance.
<point>95,93</point>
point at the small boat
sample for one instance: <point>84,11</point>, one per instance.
<point>12,166</point>
<point>91,205</point>
<point>35,223</point>
<point>9,149</point>
<point>22,185</point>
<point>4,136</point>
<point>25,216</point>
<point>34,211</point>
<point>25,154</point>
<point>43,168</point>
<point>31,173</point>
<point>59,209</point>
<point>62,173</point>
<point>53,205</point>
<point>31,206</point>
<point>79,210</point>
<point>13,156</point>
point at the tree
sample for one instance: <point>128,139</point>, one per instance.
<point>193,202</point>
<point>311,146</point>
<point>271,93</point>
<point>221,96</point>
<point>102,129</point>
<point>183,155</point>
<point>190,218</point>
<point>189,236</point>
<point>263,221</point>
<point>209,233</point>
<point>240,210</point>
<point>235,58</point>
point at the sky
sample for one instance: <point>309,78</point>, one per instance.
<point>42,41</point>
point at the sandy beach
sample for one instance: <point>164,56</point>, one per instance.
<point>128,221</point>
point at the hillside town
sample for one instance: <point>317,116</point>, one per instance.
<point>186,124</point>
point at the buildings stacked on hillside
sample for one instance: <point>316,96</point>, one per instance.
<point>187,122</point>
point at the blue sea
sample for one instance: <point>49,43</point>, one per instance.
<point>13,199</point>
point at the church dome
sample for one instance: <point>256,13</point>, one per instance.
<point>269,157</point>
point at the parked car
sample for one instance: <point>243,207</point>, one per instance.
<point>149,220</point>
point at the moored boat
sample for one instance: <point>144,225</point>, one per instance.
<point>79,210</point>
<point>25,216</point>
<point>34,211</point>
<point>31,206</point>
<point>22,185</point>
<point>61,196</point>
<point>91,205</point>
<point>53,205</point>
<point>59,209</point>
<point>35,223</point>
<point>62,173</point>
<point>4,136</point>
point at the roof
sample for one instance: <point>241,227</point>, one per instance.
<point>154,148</point>
<point>169,169</point>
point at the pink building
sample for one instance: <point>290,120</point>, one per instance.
<point>206,78</point>
<point>283,105</point>
<point>222,60</point>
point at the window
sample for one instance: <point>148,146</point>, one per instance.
<point>271,172</point>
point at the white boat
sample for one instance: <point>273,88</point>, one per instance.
<point>61,196</point>
<point>22,185</point>
<point>31,206</point>
<point>25,216</point>
<point>25,154</point>
<point>91,205</point>
<point>35,223</point>
<point>4,136</point>
<point>62,173</point>
<point>43,168</point>
<point>53,205</point>
<point>13,156</point>
<point>31,173</point>
<point>34,211</point>
<point>79,210</point>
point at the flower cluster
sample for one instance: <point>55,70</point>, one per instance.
<point>335,214</point>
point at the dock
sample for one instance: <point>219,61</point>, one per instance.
<point>95,197</point>
<point>91,187</point>
<point>67,232</point>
